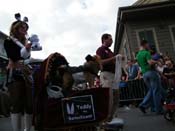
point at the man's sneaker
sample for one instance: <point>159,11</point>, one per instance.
<point>116,121</point>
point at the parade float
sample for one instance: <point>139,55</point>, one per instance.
<point>58,107</point>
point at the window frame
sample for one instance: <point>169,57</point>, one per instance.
<point>154,36</point>
<point>172,36</point>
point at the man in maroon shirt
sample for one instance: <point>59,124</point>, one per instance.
<point>106,55</point>
<point>108,72</point>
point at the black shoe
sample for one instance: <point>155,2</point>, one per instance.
<point>142,109</point>
<point>160,112</point>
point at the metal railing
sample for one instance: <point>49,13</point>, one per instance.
<point>135,90</point>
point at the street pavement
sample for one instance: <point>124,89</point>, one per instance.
<point>5,124</point>
<point>136,121</point>
<point>133,118</point>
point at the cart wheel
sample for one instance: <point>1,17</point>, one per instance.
<point>168,115</point>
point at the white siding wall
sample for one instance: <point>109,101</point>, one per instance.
<point>162,32</point>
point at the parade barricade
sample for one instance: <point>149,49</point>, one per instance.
<point>135,90</point>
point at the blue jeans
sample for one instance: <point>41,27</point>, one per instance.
<point>154,95</point>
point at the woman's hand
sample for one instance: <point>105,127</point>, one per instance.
<point>28,46</point>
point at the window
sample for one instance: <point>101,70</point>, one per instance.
<point>172,32</point>
<point>2,50</point>
<point>149,35</point>
<point>126,51</point>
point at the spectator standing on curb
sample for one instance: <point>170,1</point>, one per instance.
<point>132,70</point>
<point>169,73</point>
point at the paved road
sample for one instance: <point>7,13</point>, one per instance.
<point>134,121</point>
<point>5,124</point>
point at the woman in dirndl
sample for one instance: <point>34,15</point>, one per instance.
<point>19,76</point>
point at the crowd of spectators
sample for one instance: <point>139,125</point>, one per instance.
<point>165,67</point>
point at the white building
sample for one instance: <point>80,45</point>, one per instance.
<point>151,20</point>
